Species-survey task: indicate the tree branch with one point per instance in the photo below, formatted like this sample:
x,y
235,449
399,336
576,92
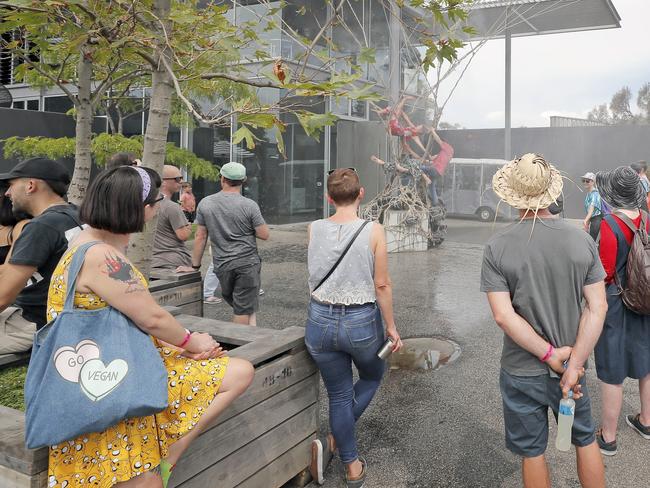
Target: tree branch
x,y
109,83
47,75
224,76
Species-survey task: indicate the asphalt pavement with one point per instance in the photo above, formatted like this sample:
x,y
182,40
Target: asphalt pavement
x,y
440,428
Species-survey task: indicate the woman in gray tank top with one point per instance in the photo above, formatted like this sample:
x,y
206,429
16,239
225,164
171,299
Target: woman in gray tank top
x,y
347,313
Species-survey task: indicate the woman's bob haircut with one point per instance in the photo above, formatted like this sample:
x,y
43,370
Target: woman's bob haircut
x,y
114,203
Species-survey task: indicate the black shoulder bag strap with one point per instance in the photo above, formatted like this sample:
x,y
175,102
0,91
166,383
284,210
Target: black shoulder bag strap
x,y
345,251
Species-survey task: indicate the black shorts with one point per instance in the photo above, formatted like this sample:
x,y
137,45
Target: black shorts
x,y
240,288
526,400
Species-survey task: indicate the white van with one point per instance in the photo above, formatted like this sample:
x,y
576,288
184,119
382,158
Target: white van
x,y
466,189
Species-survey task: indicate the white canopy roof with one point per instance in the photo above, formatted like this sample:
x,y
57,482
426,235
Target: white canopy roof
x,y
535,17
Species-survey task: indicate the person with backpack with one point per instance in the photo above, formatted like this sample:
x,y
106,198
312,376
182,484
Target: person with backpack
x,y
623,350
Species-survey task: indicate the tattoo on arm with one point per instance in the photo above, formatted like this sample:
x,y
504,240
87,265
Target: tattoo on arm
x,y
119,269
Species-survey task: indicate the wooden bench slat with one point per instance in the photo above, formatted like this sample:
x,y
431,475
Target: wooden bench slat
x,y
156,275
270,379
227,332
282,469
219,442
259,351
237,467
13,453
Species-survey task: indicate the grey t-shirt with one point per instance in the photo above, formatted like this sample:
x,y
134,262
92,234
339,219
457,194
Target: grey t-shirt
x,y
168,250
545,276
231,220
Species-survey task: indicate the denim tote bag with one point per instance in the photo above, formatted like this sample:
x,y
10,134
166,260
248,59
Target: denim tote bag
x,y
89,370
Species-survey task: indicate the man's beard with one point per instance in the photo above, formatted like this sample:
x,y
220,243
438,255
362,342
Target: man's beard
x,y
20,214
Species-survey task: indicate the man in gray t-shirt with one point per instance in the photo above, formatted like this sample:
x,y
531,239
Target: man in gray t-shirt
x,y
536,274
233,223
173,229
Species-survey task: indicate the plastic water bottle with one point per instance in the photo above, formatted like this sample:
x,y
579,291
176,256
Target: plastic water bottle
x,y
565,416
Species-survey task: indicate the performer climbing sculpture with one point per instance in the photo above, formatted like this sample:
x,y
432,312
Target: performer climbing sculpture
x,y
411,178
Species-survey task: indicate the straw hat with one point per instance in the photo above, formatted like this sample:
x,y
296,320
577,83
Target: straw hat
x,y
529,182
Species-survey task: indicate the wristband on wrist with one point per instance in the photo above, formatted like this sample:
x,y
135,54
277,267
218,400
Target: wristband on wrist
x,y
196,267
188,334
548,354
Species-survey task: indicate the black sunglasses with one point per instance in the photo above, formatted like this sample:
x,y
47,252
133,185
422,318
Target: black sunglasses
x,y
178,179
335,169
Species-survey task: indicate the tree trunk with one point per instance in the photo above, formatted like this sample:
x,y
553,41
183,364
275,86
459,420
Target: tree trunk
x,y
109,117
155,137
84,121
120,122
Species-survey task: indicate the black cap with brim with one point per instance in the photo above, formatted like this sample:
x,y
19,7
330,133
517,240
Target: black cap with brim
x,y
39,168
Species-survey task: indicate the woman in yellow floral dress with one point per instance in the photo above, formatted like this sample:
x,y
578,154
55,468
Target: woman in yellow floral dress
x,y
138,452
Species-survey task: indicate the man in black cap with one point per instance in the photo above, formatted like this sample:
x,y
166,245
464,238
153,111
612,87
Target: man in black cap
x,y
38,187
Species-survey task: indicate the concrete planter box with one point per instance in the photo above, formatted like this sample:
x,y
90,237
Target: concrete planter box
x,y
261,441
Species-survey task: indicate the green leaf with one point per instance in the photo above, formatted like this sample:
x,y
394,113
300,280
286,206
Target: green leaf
x,y
364,93
367,55
314,123
244,133
280,141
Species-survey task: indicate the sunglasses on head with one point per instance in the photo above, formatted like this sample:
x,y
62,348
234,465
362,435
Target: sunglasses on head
x,y
335,169
177,179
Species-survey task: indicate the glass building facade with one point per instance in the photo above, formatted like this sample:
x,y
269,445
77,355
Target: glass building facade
x,y
291,187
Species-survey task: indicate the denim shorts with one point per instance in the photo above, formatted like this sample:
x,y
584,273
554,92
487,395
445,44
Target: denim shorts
x,y
526,400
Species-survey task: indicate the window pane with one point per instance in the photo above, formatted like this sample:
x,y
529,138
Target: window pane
x,y
468,176
32,105
57,104
358,108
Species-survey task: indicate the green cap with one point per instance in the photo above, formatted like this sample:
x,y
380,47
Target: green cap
x,y
234,171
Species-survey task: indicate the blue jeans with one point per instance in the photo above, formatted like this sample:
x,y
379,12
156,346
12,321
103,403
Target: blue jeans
x,y
336,336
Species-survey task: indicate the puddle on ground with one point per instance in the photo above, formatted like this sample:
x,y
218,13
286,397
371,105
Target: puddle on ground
x,y
424,353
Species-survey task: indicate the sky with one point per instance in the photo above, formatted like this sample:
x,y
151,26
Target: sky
x,y
559,74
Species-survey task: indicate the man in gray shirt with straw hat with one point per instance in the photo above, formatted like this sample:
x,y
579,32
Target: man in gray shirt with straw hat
x,y
536,274
233,223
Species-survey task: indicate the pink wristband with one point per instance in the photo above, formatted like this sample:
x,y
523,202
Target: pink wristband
x,y
548,354
188,334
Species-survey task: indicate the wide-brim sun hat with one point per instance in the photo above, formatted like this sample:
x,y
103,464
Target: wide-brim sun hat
x,y
528,183
621,188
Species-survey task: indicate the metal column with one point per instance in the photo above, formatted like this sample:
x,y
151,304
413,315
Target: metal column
x,y
508,94
395,71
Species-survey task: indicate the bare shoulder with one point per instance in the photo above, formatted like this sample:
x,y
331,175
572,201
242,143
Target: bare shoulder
x,y
108,259
115,266
19,227
377,230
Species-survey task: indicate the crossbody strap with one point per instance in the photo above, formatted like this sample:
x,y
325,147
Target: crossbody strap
x,y
345,251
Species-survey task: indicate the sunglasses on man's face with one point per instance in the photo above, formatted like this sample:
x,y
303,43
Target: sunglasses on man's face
x,y
586,181
335,169
178,179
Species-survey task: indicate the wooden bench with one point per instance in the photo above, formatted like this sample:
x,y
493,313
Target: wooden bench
x,y
7,360
261,441
182,290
